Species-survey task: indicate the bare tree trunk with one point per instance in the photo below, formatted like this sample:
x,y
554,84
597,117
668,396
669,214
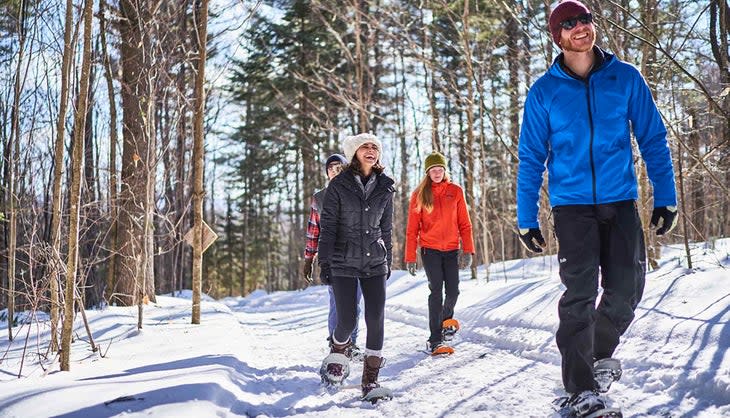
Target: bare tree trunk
x,y
649,16
112,196
75,196
89,229
683,210
134,276
430,83
199,158
230,278
404,196
469,107
12,155
181,219
361,66
55,236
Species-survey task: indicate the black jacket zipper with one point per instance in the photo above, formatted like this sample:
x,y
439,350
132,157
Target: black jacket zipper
x,y
590,147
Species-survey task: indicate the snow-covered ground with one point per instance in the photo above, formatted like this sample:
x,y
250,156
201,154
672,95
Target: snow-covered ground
x,y
260,355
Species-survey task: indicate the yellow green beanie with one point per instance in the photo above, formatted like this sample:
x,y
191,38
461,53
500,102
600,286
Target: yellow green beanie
x,y
435,159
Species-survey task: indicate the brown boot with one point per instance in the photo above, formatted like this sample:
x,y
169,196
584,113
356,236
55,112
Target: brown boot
x,y
370,369
345,348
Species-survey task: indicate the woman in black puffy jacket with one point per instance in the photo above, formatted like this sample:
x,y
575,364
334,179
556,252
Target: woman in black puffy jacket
x,y
355,245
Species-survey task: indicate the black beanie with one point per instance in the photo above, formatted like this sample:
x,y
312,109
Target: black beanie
x,y
334,158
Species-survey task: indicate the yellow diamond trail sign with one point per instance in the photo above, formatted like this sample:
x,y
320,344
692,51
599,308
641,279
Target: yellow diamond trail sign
x,y
209,236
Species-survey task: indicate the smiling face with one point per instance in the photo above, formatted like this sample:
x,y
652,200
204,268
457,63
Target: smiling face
x,y
333,169
368,154
436,173
581,38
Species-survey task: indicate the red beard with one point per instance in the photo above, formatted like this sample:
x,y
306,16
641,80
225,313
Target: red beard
x,y
580,45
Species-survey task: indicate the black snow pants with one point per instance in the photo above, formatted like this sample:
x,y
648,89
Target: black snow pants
x,y
346,301
442,270
592,237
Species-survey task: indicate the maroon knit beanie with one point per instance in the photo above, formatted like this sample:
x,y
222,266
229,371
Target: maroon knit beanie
x,y
564,10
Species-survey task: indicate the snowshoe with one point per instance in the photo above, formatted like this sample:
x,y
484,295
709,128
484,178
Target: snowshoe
x,y
336,366
605,372
586,404
449,328
335,369
439,348
377,394
356,353
371,390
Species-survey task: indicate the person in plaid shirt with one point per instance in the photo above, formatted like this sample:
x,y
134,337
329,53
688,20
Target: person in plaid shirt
x,y
333,166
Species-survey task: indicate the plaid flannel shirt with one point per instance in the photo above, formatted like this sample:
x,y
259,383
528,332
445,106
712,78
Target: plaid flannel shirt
x,y
310,249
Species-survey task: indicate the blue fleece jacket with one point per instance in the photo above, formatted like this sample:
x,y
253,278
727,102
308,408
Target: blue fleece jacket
x,y
581,129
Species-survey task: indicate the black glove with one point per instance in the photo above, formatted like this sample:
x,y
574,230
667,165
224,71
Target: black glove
x,y
668,215
411,268
325,274
388,277
532,239
307,270
465,261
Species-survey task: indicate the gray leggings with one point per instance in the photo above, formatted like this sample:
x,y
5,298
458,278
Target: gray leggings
x,y
373,292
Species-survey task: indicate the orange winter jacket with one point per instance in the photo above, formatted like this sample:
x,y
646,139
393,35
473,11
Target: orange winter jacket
x,y
443,226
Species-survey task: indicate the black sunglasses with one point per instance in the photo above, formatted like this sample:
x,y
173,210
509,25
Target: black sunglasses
x,y
569,24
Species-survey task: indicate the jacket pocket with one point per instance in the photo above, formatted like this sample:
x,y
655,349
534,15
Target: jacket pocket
x,y
382,252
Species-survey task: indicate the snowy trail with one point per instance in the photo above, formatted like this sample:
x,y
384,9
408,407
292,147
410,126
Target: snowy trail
x,y
506,362
259,356
495,365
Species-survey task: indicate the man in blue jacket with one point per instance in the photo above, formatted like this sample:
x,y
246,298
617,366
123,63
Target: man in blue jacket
x,y
577,121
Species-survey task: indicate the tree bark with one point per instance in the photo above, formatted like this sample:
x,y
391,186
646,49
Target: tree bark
x,y
75,195
134,277
469,108
114,140
199,158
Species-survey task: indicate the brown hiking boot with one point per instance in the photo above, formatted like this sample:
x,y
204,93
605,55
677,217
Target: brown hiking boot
x,y
370,369
345,348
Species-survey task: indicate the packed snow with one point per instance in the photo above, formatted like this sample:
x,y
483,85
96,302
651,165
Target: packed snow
x,y
259,356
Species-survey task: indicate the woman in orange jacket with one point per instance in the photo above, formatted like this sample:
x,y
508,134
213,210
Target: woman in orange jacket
x,y
437,220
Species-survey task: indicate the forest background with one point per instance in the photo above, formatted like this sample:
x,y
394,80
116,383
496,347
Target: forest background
x,y
117,127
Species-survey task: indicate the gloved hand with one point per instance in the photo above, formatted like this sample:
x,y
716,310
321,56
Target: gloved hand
x,y
532,239
411,268
465,261
388,276
307,270
668,215
325,274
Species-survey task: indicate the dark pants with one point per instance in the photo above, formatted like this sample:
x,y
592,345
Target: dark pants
x,y
442,269
373,293
592,237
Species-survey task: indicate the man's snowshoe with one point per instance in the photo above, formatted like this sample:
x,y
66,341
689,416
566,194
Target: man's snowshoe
x,y
371,389
336,366
586,404
440,348
449,328
605,372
